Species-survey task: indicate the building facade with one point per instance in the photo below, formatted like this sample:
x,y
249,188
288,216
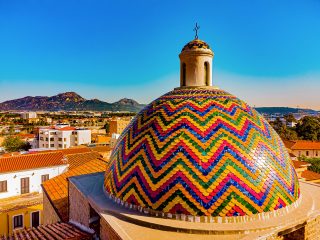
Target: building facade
x,y
21,197
63,137
304,148
118,125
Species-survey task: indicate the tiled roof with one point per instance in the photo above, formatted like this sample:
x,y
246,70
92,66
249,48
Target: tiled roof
x,y
101,149
55,231
302,145
30,161
56,188
26,135
299,164
310,175
21,201
67,129
288,143
78,159
73,150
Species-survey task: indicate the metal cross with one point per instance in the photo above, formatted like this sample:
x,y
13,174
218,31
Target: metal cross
x,y
196,30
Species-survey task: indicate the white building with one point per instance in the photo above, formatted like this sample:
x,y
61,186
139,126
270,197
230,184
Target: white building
x,y
28,115
62,136
24,173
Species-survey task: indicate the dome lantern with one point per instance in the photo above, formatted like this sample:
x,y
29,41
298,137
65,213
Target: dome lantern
x,y
196,64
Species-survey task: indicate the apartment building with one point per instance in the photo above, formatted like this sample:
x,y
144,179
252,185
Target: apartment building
x,y
62,136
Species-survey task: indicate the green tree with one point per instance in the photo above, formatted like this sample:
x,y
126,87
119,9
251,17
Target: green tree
x,y
289,118
14,143
278,126
308,128
107,127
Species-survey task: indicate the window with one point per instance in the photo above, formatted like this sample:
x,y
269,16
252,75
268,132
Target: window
x,y
3,186
44,178
316,153
206,74
35,219
307,153
64,139
51,139
47,139
25,185
60,139
18,221
184,69
52,145
60,145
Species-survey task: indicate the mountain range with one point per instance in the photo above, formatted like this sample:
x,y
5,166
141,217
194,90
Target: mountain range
x,y
69,101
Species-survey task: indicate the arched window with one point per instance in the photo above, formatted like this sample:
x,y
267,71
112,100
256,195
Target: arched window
x,y
206,73
184,70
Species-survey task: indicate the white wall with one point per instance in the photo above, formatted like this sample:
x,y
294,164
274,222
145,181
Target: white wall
x,y
69,138
14,184
84,137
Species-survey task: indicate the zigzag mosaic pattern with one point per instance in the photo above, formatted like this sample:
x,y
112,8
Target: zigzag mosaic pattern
x,y
201,152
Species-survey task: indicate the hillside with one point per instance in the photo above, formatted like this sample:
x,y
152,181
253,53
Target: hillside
x,y
69,101
284,110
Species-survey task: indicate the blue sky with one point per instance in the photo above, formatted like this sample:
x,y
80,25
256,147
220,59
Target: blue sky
x,y
267,52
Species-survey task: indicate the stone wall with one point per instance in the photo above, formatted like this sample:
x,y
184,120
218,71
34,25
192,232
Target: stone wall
x,y
49,215
106,231
79,208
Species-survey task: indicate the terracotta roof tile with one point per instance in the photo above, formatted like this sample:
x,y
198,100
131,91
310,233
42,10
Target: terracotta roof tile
x,y
30,161
299,164
303,145
73,150
288,143
310,175
101,149
75,160
52,231
67,129
56,188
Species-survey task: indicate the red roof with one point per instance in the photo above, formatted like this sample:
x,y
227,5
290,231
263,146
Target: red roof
x,y
67,129
299,164
310,175
30,161
67,151
302,145
26,135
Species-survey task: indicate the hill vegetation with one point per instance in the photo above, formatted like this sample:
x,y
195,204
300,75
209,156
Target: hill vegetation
x,y
69,101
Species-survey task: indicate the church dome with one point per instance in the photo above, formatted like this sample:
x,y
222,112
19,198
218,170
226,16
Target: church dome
x,y
200,151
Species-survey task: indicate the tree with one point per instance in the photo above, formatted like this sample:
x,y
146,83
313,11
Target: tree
x,y
284,131
14,143
278,126
289,118
107,127
308,128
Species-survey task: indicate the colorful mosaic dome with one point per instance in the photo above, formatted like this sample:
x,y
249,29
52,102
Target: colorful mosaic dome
x,y
196,44
201,152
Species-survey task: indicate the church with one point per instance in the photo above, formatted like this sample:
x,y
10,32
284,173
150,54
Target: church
x,y
196,163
